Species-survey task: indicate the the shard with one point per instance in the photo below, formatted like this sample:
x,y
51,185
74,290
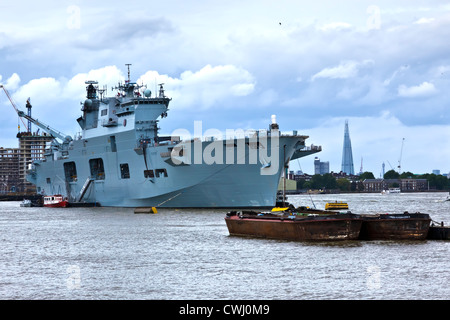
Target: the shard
x,y
347,156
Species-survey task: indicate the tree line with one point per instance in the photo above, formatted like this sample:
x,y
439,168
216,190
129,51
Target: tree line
x,y
328,181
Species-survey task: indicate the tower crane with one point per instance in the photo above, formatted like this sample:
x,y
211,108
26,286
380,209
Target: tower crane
x,y
400,158
390,165
12,102
54,133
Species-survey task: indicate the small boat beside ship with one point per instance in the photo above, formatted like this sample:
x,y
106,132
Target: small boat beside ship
x,y
296,227
56,201
26,203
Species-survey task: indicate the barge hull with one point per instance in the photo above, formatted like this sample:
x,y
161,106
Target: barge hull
x,y
305,229
395,227
438,233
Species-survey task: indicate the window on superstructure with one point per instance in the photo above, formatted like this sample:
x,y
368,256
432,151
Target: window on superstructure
x,y
70,171
112,140
104,112
124,171
161,173
97,169
149,174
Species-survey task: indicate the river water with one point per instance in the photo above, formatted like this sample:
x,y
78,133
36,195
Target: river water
x,y
112,253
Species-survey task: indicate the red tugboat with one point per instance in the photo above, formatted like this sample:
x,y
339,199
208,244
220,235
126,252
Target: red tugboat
x,y
55,201
296,227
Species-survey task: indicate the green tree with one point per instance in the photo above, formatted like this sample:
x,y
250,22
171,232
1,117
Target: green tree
x,y
326,181
391,174
436,181
407,175
301,184
366,175
307,185
343,184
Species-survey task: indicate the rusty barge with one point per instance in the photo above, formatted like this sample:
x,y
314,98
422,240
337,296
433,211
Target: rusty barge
x,y
438,232
306,224
287,226
406,226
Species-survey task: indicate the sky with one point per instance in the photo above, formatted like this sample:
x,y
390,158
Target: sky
x,y
382,65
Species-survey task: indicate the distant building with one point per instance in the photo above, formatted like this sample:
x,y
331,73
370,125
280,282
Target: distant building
x,y
14,162
9,170
374,185
343,175
436,172
321,167
347,155
413,185
405,185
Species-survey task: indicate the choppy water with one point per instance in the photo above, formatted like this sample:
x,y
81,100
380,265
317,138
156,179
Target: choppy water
x,y
112,253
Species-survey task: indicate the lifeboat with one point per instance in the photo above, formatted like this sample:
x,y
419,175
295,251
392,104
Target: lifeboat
x,y
336,206
55,201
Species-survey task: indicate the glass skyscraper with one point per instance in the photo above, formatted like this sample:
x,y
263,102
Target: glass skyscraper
x,y
347,156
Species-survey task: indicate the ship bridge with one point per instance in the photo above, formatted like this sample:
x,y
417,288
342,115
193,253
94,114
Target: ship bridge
x,y
132,104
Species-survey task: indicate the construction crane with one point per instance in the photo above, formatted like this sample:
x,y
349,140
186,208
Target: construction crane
x,y
54,133
361,169
390,165
400,158
12,103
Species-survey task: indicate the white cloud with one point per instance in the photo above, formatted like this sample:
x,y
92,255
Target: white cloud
x,y
204,88
395,74
108,76
345,70
13,82
424,20
336,26
42,91
242,89
424,89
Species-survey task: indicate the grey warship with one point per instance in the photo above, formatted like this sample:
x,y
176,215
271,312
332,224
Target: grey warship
x,y
121,160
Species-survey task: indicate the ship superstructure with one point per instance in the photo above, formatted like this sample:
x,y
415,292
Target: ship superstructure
x,y
121,160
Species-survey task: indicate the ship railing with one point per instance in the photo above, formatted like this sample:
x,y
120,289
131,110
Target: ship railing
x,y
312,148
247,134
237,134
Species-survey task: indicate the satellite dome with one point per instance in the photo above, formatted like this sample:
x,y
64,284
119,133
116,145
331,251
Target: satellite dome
x,y
147,93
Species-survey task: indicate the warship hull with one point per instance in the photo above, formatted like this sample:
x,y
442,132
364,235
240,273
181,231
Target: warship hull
x,y
122,176
120,159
